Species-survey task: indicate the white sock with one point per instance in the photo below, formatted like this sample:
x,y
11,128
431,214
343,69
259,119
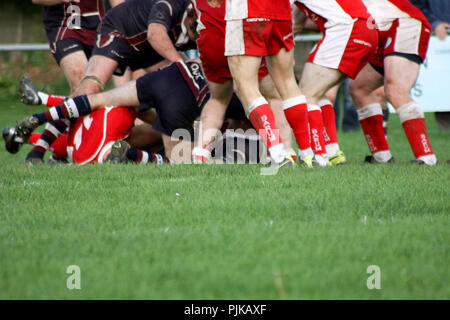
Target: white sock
x,y
382,156
322,160
306,152
428,159
44,97
277,153
332,149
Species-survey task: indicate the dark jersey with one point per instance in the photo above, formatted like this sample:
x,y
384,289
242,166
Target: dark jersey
x,y
73,20
130,20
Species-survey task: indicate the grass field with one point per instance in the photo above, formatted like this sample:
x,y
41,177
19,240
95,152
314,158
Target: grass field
x,y
223,231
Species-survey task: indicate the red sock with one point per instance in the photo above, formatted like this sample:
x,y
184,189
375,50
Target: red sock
x,y
34,137
296,112
329,122
59,147
371,120
53,101
262,118
413,122
316,129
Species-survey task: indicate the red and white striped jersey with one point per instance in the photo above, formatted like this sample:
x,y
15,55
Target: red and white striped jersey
x,y
269,9
386,11
327,13
208,15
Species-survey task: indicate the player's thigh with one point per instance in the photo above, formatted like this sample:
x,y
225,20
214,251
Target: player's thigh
x,y
400,75
317,80
363,86
74,65
245,74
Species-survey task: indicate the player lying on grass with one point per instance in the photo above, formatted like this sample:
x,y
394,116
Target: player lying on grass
x,y
404,33
178,92
346,45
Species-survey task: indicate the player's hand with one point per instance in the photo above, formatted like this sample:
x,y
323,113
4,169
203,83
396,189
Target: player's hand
x,y
215,3
69,1
441,31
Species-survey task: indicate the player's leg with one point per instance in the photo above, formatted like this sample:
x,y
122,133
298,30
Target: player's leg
x,y
370,114
99,70
335,155
397,89
294,102
74,65
269,91
245,74
124,152
212,118
125,95
79,106
30,95
316,81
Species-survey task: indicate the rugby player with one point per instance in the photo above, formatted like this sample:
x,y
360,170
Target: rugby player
x,y
70,27
137,34
404,33
244,65
348,42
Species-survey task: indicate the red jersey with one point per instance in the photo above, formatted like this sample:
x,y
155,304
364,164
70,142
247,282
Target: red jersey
x,y
208,15
386,11
327,13
269,9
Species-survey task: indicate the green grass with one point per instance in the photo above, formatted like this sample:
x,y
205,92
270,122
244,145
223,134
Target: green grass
x,y
226,232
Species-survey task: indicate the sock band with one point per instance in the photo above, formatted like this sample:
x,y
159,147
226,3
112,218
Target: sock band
x,y
410,111
255,104
369,111
292,102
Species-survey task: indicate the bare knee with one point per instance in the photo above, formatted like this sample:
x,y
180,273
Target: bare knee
x,y
397,94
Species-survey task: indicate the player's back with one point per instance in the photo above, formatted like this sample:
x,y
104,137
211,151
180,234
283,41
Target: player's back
x,y
386,11
208,15
269,9
64,14
132,17
327,13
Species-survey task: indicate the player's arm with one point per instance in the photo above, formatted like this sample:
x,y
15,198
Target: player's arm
x,y
52,2
159,39
162,18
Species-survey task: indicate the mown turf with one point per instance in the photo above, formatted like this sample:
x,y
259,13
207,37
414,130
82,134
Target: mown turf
x,y
225,231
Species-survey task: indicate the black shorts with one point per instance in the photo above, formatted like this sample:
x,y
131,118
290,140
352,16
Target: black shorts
x,y
411,57
64,47
175,104
125,55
